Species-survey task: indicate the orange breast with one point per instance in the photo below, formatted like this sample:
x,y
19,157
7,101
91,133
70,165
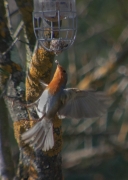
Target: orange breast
x,y
57,81
55,86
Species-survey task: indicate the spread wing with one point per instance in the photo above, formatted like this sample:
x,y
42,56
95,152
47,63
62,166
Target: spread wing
x,y
42,103
79,104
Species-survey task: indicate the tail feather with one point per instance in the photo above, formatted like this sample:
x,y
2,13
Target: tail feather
x,y
49,142
30,133
41,144
31,138
40,136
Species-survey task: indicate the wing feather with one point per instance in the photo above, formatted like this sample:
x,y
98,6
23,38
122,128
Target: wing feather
x,y
42,102
83,104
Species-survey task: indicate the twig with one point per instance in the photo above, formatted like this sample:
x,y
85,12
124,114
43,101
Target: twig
x,y
18,30
11,46
103,71
8,17
93,133
73,158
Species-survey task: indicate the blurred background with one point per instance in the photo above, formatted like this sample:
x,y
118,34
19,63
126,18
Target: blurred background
x,y
97,149
94,149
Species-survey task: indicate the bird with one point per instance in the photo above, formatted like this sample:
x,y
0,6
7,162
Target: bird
x,y
66,103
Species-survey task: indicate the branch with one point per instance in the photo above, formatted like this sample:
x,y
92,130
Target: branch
x,y
6,161
103,71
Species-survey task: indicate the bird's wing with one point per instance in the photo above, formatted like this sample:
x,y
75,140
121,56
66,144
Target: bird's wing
x,y
79,104
42,103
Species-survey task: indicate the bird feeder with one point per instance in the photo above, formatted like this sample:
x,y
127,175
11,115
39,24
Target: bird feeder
x,y
55,24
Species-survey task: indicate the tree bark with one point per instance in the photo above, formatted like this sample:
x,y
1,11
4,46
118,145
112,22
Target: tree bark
x,y
32,164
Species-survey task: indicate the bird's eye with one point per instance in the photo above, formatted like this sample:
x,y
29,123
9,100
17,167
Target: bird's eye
x,y
64,71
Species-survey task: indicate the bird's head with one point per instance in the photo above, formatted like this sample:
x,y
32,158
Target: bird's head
x,y
60,73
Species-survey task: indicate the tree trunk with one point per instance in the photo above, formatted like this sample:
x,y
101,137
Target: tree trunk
x,y
32,164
